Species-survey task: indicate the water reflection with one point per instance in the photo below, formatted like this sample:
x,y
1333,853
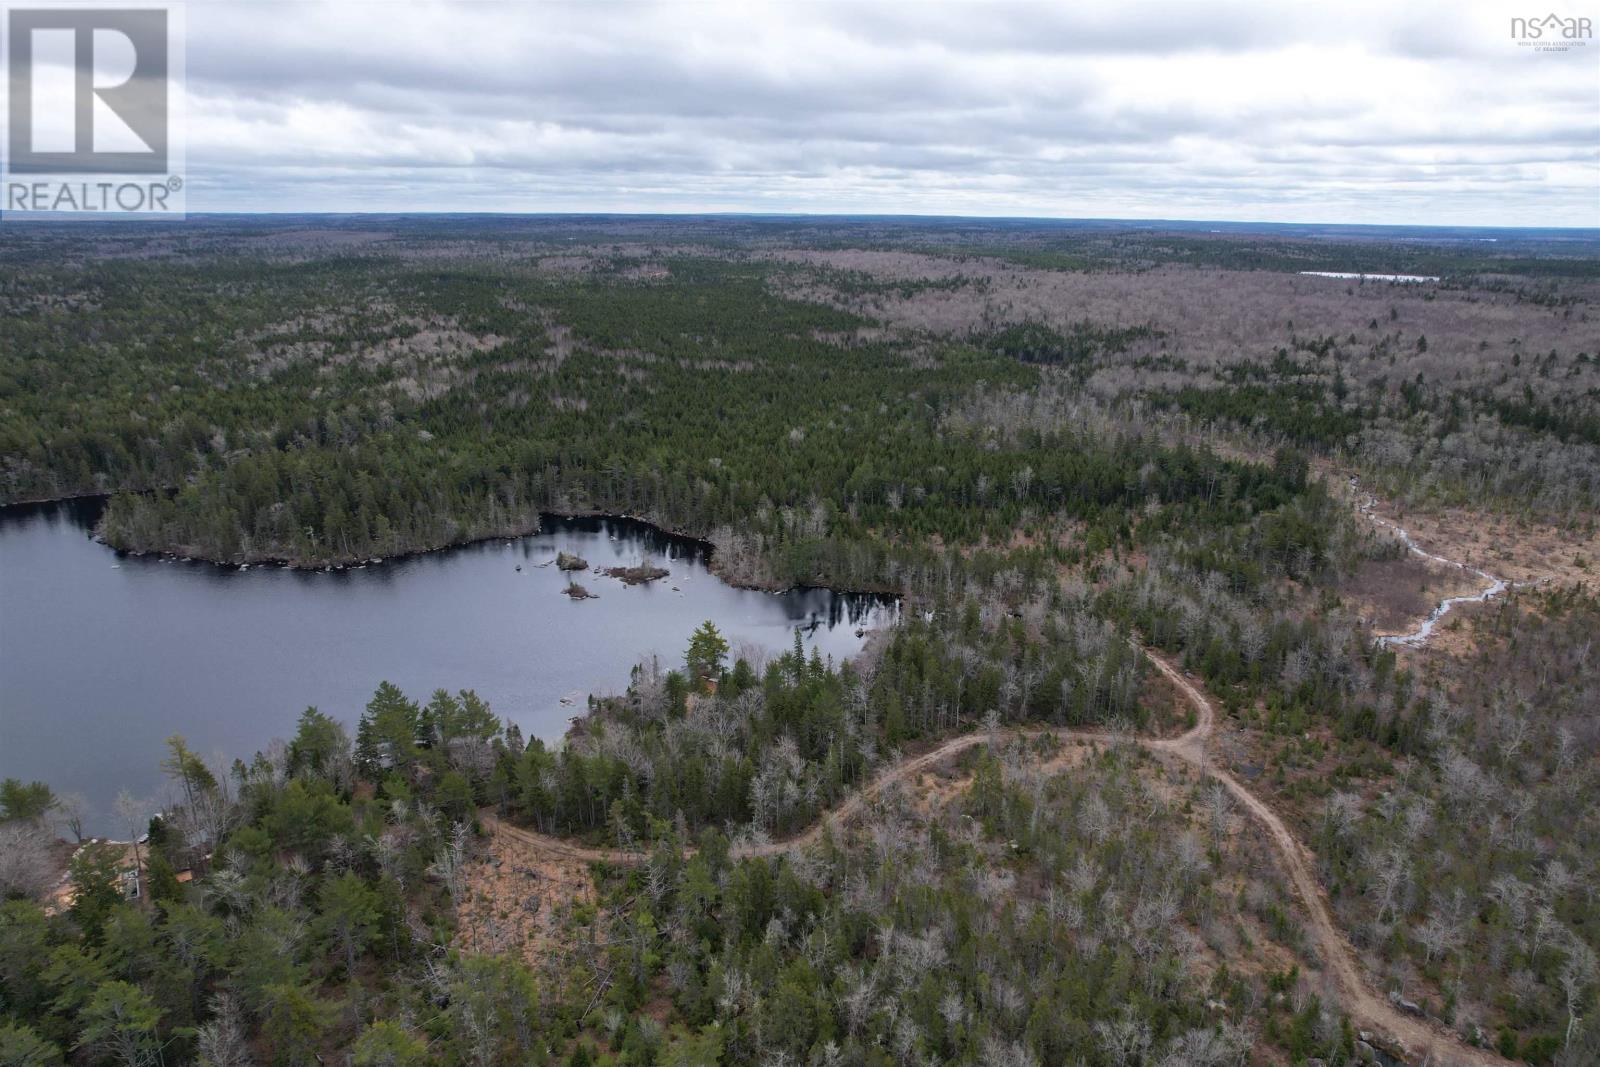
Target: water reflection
x,y
102,656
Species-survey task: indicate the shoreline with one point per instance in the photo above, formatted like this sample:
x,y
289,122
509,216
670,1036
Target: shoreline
x,y
508,533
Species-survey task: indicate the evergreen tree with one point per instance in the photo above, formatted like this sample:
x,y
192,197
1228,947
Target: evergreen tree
x,y
120,1022
386,735
707,652
24,800
387,1044
319,741
21,1046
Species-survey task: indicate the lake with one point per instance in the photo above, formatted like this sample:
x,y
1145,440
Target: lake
x,y
103,656
1410,278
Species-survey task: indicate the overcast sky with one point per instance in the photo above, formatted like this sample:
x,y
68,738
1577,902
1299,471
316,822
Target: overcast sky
x,y
1399,112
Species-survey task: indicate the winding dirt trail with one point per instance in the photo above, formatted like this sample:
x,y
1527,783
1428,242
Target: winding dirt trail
x,y
1420,1042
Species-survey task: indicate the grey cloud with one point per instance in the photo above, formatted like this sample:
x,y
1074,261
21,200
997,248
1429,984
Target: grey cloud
x,y
1160,109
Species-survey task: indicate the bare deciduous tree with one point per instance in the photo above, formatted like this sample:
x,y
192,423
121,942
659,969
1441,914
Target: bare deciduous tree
x,y
26,867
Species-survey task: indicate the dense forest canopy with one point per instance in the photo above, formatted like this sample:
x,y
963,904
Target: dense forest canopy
x,y
283,396
1119,476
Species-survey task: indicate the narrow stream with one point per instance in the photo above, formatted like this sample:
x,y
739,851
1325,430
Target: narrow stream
x,y
1421,634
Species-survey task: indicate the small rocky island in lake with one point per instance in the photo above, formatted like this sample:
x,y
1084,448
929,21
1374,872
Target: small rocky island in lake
x,y
578,592
638,575
568,562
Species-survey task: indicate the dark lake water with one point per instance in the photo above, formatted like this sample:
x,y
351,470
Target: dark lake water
x,y
103,656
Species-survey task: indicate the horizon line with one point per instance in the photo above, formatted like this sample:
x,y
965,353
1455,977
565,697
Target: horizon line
x,y
16,216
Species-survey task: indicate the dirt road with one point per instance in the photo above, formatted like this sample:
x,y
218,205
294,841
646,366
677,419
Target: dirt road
x,y
1422,1042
